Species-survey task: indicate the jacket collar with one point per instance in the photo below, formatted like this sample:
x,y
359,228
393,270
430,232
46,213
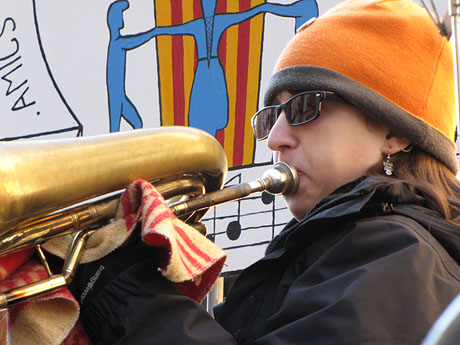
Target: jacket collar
x,y
376,196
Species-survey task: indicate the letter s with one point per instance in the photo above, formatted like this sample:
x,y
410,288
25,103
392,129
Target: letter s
x,y
4,25
12,40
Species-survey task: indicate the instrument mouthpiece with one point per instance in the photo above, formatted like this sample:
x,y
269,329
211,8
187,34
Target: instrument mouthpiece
x,y
282,179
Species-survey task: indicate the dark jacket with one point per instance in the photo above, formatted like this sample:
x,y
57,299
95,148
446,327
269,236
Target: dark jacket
x,y
367,265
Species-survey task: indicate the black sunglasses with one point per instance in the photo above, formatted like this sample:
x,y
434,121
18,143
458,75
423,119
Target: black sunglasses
x,y
299,109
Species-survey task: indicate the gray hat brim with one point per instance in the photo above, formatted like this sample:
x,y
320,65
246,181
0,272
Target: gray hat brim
x,y
372,104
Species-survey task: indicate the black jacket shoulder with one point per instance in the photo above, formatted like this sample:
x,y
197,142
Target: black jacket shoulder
x,y
363,267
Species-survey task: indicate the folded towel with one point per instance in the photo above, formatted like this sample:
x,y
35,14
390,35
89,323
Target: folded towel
x,y
191,261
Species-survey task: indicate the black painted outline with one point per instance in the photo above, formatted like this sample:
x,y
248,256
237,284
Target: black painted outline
x,y
79,126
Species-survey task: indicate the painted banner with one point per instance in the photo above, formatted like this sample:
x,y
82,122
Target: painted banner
x,y
214,70
30,98
209,62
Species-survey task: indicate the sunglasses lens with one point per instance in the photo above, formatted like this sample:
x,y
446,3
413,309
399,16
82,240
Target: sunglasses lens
x,y
263,122
302,108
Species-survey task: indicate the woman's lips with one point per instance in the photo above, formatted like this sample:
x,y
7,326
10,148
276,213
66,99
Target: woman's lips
x,y
299,172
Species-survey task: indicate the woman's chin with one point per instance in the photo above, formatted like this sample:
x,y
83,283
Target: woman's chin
x,y
296,208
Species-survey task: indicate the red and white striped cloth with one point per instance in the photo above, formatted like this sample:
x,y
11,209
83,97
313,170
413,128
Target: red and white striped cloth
x,y
192,262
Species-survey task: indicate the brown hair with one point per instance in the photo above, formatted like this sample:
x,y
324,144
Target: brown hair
x,y
438,185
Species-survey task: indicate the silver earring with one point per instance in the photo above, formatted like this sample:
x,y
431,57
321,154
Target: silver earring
x,y
408,148
387,165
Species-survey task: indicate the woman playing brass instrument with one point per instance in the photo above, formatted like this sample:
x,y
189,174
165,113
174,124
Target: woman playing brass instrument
x,y
362,104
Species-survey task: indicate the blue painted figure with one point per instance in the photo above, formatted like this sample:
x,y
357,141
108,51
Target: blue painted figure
x,y
208,107
208,99
119,103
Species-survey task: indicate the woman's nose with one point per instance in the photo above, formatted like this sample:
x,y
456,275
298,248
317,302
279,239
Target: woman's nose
x,y
280,135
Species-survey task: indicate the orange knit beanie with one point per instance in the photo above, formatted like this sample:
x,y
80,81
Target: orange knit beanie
x,y
387,58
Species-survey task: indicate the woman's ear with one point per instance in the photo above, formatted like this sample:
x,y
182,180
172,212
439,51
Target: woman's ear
x,y
396,143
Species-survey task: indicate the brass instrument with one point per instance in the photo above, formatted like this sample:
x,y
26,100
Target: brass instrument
x,y
183,163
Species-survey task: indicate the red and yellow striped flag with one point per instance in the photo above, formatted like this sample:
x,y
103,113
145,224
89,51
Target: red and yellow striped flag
x,y
240,51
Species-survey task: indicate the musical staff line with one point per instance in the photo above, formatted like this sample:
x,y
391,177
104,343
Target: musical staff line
x,y
262,243
252,228
243,228
246,214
